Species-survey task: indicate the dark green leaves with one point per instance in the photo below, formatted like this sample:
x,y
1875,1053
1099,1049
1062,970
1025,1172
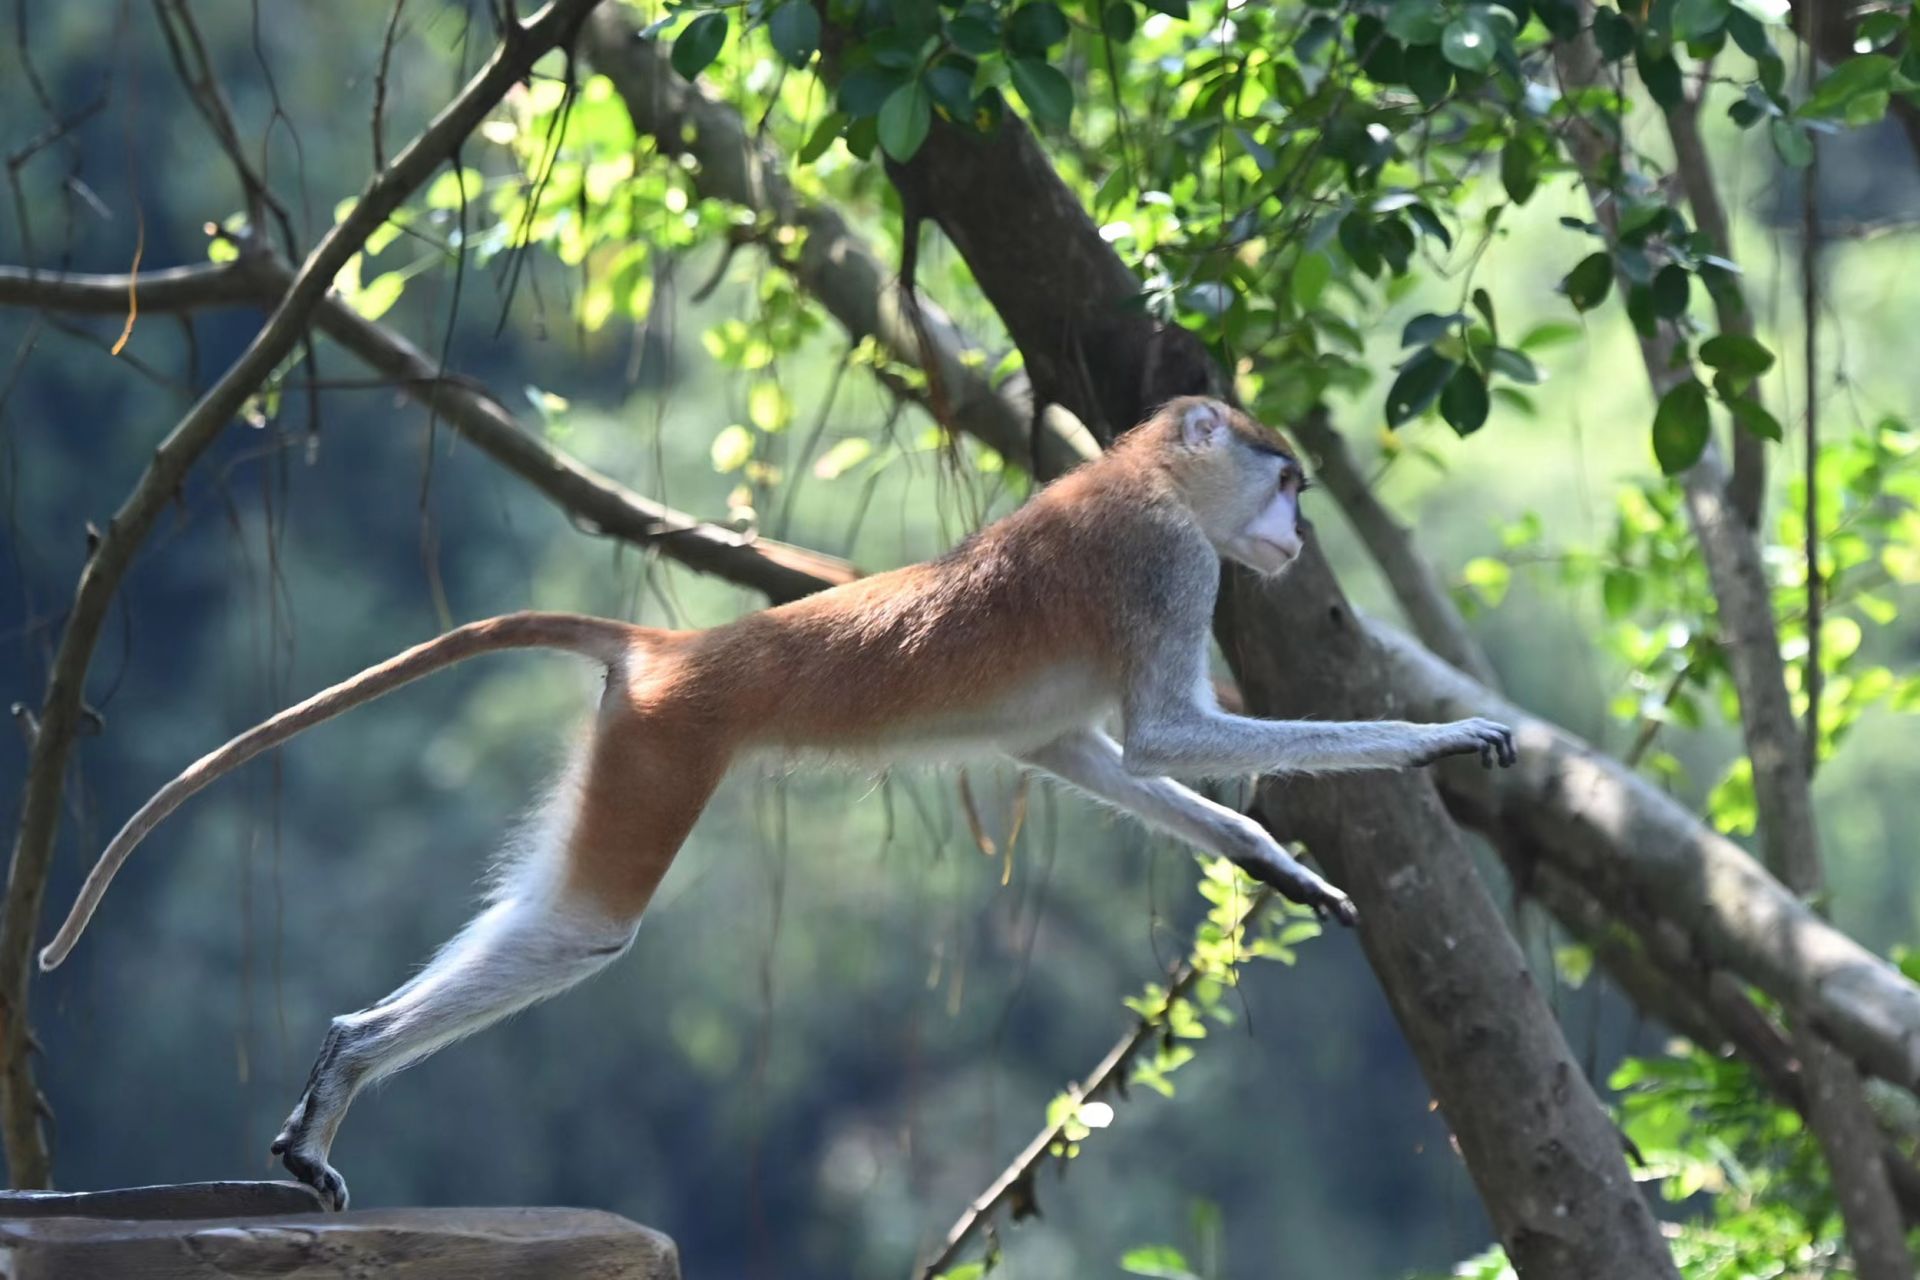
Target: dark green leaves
x,y
1792,142
794,28
1680,427
1172,8
1464,402
905,117
1736,354
1519,168
1420,383
1671,287
1613,34
1035,28
699,44
1587,284
1047,93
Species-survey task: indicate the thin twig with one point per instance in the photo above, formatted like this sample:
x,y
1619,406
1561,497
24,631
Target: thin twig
x,y
60,713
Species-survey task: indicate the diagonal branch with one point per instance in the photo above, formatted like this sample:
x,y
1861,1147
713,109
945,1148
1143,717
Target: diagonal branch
x,y
27,1158
1418,589
832,263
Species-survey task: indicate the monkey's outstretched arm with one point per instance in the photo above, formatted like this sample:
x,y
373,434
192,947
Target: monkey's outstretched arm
x,y
1092,761
602,639
1208,742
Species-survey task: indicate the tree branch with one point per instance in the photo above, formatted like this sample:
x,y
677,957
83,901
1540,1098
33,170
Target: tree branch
x,y
27,1158
1423,597
1015,1182
1837,1103
1484,1036
833,263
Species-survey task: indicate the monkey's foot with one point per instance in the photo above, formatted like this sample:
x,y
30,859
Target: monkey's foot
x,y
308,1165
1297,884
1488,739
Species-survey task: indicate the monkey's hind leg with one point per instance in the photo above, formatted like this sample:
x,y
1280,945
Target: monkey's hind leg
x,y
567,907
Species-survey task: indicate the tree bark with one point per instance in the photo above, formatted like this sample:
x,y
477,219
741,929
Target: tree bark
x,y
1546,1158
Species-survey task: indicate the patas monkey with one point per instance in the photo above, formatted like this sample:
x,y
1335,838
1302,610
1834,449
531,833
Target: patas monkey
x,y
1094,598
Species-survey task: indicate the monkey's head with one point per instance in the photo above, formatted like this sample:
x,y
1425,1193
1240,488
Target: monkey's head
x,y
1240,479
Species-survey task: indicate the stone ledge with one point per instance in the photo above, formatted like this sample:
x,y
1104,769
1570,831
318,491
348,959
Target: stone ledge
x,y
39,1242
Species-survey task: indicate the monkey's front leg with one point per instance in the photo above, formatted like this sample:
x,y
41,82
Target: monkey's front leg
x,y
1203,741
1092,761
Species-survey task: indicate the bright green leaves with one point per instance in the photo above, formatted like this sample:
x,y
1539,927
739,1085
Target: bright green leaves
x,y
699,43
905,117
1855,91
1681,427
794,28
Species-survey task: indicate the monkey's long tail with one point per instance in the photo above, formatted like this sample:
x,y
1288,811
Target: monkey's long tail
x,y
601,639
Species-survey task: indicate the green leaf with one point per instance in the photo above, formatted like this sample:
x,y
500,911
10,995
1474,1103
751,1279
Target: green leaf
x,y
1416,21
699,44
1172,8
1420,383
1035,28
1427,74
1157,1260
1865,73
1310,275
1753,417
1792,142
1661,74
1507,361
951,85
1671,288
1046,92
794,29
1587,284
975,33
1423,329
1680,427
1737,354
905,117
1519,169
1699,19
1464,403
1620,592
731,449
1483,303
1119,21
1489,578
822,136
1552,333
865,89
1469,42
1613,33
843,457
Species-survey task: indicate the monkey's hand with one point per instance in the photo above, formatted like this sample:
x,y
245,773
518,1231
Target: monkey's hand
x,y
1488,739
1296,883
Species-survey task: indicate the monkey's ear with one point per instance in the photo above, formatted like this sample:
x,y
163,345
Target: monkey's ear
x,y
1202,424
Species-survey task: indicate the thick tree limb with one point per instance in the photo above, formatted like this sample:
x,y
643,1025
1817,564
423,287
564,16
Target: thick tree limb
x,y
27,1159
779,570
1541,1149
832,262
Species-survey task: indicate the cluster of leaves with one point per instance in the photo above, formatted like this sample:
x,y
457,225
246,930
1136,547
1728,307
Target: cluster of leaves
x,y
1661,620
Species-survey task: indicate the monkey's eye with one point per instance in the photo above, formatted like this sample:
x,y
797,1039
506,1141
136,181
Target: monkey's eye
x,y
1303,485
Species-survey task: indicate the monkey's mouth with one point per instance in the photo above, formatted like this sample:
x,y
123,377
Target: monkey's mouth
x,y
1267,557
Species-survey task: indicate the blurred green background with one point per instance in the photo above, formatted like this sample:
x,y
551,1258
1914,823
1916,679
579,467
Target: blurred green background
x,y
838,1022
